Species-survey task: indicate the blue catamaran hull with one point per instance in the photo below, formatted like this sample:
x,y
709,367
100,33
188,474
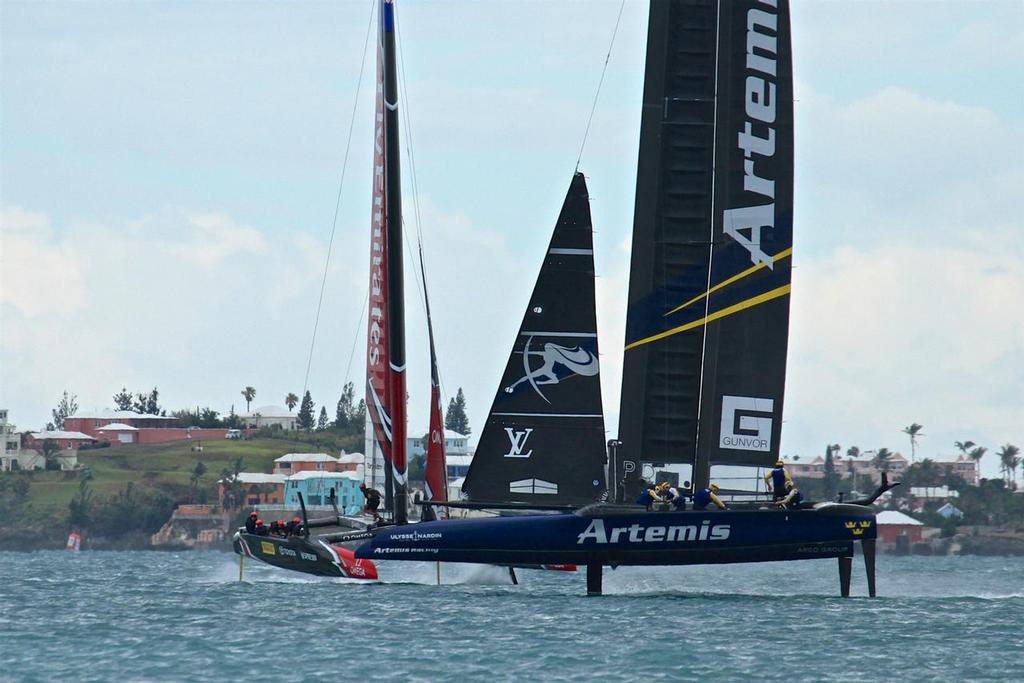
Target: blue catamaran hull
x,y
594,536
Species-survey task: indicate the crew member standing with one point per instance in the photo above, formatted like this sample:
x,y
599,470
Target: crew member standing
x,y
778,481
250,523
704,497
372,497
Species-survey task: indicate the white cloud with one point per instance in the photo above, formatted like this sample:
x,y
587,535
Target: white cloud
x,y
903,333
37,276
214,237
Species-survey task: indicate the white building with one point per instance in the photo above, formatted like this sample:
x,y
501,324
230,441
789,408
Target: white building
x,y
10,442
454,443
269,416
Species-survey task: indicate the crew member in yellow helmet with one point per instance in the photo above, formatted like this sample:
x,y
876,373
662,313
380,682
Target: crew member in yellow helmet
x,y
778,481
704,497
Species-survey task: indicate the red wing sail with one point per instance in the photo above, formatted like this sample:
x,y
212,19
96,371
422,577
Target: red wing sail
x,y
436,470
385,359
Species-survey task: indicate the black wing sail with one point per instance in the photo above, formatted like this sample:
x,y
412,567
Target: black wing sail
x,y
708,317
543,442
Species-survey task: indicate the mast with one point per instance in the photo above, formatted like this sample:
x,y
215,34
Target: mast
x,y
436,471
708,314
385,389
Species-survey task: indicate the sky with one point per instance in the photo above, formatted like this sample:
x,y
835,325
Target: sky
x,y
169,173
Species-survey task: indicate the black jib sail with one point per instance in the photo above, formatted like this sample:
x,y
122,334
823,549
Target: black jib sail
x,y
708,316
544,438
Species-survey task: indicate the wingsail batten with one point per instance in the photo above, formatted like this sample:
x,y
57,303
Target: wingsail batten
x,y
708,309
544,437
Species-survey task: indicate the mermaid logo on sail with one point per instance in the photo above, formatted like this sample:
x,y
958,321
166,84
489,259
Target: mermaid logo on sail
x,y
577,360
758,134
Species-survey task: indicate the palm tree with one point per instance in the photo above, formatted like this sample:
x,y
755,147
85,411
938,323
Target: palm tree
x,y
1008,463
852,452
291,400
881,459
913,431
976,455
963,447
929,472
248,394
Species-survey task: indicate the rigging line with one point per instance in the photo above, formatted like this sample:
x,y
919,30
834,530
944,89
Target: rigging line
x,y
604,70
355,338
711,255
412,163
414,182
337,201
408,132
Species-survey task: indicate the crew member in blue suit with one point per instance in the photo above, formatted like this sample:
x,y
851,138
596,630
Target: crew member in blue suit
x,y
792,499
676,498
778,481
704,497
648,497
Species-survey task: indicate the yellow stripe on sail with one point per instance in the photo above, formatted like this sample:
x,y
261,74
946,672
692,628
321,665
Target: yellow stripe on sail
x,y
735,308
749,271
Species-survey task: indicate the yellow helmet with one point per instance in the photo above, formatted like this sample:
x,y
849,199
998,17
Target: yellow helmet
x,y
714,487
780,463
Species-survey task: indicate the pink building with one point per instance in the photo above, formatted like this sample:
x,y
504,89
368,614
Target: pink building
x,y
127,427
302,462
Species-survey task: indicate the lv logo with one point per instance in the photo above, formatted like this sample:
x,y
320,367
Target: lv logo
x,y
517,442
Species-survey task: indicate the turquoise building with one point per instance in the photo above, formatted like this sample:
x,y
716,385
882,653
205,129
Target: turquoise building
x,y
316,485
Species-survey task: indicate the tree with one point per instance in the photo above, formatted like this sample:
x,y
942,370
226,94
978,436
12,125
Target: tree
x,y
81,506
913,431
123,399
360,414
344,414
234,491
321,422
152,404
976,454
928,471
1008,463
881,459
197,473
964,447
248,394
291,400
306,412
51,454
831,479
66,407
455,419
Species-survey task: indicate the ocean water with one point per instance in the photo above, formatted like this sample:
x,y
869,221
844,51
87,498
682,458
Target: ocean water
x,y
149,616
